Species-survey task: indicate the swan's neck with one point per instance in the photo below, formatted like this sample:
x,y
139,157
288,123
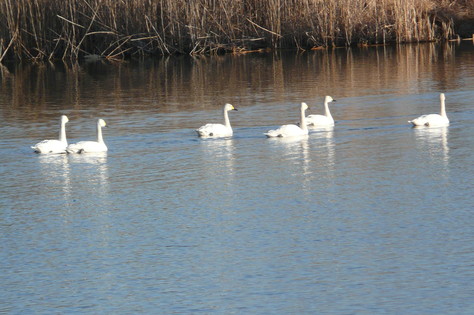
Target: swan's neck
x,y
303,120
226,119
62,132
443,109
327,113
99,134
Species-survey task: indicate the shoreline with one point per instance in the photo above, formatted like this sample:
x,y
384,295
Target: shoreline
x,y
7,64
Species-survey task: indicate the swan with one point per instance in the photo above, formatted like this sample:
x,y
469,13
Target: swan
x,y
218,130
433,120
54,146
90,146
322,120
291,130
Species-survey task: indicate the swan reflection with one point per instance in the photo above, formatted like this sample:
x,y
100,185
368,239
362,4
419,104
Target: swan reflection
x,y
434,141
326,148
54,168
295,147
91,169
47,160
55,172
294,152
98,158
218,153
292,148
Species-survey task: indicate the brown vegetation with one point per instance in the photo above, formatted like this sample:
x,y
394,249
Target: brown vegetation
x,y
71,29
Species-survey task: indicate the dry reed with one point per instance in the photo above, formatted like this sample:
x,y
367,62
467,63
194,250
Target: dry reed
x,y
71,29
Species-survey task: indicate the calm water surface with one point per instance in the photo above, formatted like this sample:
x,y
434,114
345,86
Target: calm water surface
x,y
371,217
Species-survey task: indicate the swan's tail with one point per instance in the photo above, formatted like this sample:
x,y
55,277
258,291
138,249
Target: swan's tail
x,y
36,149
203,133
72,148
272,134
416,122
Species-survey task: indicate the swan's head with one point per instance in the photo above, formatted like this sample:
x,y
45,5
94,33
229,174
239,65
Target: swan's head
x,y
228,107
64,119
442,97
304,106
329,99
101,123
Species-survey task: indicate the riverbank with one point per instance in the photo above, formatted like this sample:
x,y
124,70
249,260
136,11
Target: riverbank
x,y
70,29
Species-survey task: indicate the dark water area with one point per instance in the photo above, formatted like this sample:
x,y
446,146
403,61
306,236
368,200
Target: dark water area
x,y
369,217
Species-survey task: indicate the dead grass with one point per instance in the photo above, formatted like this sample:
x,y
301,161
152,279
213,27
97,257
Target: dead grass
x,y
71,29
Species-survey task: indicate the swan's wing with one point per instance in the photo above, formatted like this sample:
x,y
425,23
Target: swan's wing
x,y
436,120
286,131
75,147
430,120
292,130
86,146
319,120
419,121
272,133
214,130
50,146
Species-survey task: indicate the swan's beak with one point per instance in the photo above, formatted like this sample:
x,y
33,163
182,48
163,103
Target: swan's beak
x,y
235,109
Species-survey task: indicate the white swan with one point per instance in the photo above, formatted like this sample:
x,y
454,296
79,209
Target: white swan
x,y
218,130
291,130
54,146
90,146
322,120
433,120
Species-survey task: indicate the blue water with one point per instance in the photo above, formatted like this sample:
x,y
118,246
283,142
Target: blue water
x,y
371,217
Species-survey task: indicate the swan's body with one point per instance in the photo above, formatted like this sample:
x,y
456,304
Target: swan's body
x,y
322,120
218,130
291,130
90,146
433,120
54,146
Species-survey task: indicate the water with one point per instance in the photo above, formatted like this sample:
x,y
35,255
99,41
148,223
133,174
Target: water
x,y
370,217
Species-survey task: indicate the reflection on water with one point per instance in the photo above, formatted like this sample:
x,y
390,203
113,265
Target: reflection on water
x,y
434,141
220,148
55,169
218,156
168,221
91,196
325,137
178,84
92,170
293,154
291,149
96,158
78,176
216,166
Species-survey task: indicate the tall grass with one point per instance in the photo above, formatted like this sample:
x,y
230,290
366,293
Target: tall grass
x,y
70,29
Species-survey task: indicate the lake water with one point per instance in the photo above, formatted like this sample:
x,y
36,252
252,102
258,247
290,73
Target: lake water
x,y
370,217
